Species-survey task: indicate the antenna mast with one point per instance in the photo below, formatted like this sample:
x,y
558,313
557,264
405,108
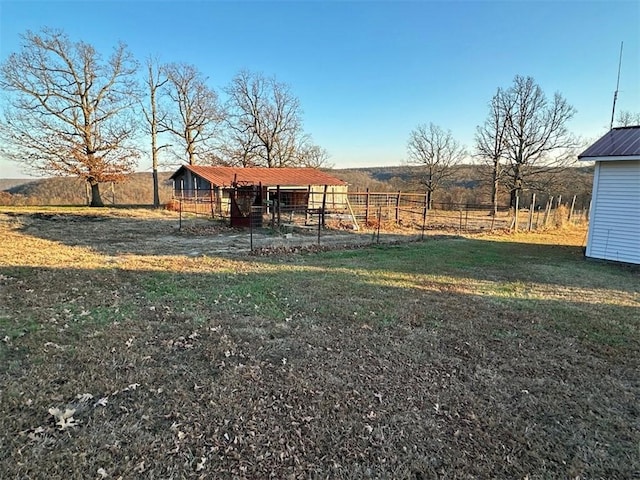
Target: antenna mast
x,y
615,94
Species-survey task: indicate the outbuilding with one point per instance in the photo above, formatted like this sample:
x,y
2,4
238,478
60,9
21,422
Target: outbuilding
x,y
614,219
232,191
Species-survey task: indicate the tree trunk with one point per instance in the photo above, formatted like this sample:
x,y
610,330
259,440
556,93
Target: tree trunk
x,y
96,200
156,193
517,186
494,188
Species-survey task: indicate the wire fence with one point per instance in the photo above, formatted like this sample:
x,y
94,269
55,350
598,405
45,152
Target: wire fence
x,y
368,217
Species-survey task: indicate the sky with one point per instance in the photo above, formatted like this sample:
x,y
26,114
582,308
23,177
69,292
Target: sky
x,y
368,72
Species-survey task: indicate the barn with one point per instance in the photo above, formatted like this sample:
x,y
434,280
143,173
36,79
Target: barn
x,y
236,189
614,220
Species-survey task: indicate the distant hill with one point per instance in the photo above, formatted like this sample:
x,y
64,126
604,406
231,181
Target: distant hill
x,y
469,185
7,183
136,190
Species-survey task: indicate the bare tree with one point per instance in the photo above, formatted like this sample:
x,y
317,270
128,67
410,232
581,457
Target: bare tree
x,y
195,112
154,119
490,142
314,156
437,152
265,125
627,119
68,111
537,140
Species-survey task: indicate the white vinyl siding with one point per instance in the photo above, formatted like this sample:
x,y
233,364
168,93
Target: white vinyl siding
x,y
614,228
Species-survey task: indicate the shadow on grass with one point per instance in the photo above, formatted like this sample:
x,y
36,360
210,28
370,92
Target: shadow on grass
x,y
328,375
477,258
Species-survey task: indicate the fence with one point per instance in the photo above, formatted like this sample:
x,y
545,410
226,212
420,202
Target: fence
x,y
389,211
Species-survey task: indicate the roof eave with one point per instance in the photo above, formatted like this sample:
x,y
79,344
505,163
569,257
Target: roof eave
x,y
610,158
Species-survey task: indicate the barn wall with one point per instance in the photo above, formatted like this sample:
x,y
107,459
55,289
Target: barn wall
x,y
188,185
614,224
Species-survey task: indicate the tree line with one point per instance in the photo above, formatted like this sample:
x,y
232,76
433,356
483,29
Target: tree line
x,y
71,112
524,144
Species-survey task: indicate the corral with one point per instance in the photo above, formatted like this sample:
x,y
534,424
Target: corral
x,y
129,350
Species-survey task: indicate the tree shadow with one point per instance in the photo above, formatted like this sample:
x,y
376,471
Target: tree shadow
x,y
481,259
354,369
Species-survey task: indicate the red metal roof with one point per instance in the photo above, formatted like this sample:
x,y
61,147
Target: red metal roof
x,y
618,142
225,176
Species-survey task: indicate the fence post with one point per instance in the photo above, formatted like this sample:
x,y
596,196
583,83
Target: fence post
x,y
532,206
319,224
366,208
273,212
398,208
278,199
424,218
515,219
547,211
379,221
310,200
573,204
324,204
180,217
251,227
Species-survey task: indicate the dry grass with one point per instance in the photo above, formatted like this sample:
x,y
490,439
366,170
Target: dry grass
x,y
481,357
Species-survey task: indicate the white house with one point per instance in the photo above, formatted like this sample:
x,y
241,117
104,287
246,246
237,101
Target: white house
x,y
614,220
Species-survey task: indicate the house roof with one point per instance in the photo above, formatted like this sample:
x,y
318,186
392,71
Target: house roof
x,y
622,143
225,176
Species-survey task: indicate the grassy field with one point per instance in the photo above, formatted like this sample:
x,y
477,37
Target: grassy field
x,y
458,357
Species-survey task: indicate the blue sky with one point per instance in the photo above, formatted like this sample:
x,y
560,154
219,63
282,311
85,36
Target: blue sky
x,y
367,73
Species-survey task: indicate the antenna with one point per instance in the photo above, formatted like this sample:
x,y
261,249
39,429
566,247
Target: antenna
x,y
615,94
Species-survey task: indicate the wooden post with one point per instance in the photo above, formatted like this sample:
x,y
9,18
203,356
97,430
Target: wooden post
x,y
424,217
547,211
559,201
366,208
515,219
379,221
309,205
251,228
573,204
398,208
324,204
278,199
532,206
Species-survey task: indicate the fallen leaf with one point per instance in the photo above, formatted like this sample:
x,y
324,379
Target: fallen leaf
x,y
201,463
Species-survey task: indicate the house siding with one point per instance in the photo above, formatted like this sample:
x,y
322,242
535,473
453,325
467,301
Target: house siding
x,y
614,230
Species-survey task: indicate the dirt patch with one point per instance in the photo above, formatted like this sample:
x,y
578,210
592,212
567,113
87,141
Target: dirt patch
x,y
116,235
